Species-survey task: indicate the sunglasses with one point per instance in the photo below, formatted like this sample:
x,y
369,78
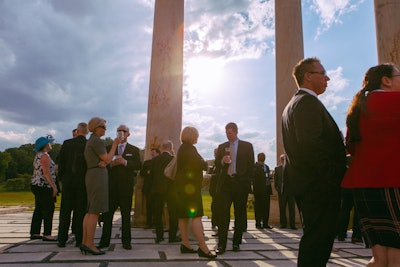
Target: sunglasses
x,y
102,126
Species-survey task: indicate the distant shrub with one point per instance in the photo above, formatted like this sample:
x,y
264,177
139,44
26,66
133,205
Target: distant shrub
x,y
21,183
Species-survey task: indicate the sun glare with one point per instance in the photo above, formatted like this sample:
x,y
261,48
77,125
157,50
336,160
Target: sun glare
x,y
204,74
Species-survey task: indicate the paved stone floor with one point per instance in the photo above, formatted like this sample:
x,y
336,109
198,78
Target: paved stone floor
x,y
276,247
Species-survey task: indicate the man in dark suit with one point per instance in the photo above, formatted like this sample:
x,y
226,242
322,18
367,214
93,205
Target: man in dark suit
x,y
262,191
284,199
315,162
72,170
122,172
162,192
147,183
235,160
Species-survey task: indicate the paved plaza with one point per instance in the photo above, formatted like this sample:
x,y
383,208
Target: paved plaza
x,y
276,247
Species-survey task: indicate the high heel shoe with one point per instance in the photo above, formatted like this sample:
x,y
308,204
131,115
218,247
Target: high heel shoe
x,y
185,249
85,250
82,248
208,255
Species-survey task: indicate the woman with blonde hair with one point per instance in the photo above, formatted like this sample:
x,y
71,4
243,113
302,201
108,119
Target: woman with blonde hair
x,y
96,181
188,180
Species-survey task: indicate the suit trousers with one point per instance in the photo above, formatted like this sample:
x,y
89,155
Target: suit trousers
x,y
44,210
286,201
261,208
73,199
319,211
236,192
124,202
158,208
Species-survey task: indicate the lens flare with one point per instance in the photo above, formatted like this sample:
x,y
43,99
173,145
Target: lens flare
x,y
192,212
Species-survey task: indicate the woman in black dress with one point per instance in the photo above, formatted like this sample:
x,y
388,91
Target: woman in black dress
x,y
188,180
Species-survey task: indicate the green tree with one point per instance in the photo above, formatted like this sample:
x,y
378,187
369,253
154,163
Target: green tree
x,y
5,159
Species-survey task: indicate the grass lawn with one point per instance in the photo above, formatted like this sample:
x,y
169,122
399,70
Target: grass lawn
x,y
26,199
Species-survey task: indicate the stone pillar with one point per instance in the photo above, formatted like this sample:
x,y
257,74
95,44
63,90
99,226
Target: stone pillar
x,y
387,21
289,50
164,115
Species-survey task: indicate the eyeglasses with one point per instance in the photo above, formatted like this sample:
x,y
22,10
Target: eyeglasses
x,y
102,126
323,73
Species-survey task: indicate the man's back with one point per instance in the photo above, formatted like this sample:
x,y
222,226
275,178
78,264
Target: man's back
x,y
72,163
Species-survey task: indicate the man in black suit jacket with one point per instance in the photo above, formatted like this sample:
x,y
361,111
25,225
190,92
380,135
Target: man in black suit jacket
x,y
233,185
122,172
284,199
162,192
315,162
72,170
147,182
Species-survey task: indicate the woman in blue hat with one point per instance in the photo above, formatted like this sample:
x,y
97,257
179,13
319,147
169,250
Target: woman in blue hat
x,y
43,186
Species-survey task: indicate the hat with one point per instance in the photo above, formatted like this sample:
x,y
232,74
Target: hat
x,y
41,142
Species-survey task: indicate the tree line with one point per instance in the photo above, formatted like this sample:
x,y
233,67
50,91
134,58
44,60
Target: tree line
x,y
17,162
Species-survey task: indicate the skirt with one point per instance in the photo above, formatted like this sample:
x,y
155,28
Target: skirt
x,y
379,211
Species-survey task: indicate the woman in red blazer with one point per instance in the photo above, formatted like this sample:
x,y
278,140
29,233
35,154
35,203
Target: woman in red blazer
x,y
373,139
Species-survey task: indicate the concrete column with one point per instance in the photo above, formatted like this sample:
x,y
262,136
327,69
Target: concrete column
x,y
289,50
387,21
164,115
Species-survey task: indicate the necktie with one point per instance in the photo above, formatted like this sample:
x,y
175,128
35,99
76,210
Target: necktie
x,y
232,166
120,149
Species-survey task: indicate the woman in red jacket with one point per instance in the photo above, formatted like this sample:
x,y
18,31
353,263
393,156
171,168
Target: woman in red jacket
x,y
373,139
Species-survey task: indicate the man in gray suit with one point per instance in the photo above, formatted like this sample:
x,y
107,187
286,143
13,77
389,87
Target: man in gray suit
x,y
315,162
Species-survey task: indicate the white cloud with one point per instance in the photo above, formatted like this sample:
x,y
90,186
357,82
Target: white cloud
x,y
332,97
331,12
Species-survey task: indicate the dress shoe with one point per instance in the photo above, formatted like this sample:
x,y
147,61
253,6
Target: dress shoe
x,y
186,250
356,240
258,226
208,255
158,240
127,246
175,240
33,237
293,227
220,250
101,245
268,227
61,244
49,238
236,248
216,234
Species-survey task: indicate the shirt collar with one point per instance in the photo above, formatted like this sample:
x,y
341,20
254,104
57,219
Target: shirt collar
x,y
311,92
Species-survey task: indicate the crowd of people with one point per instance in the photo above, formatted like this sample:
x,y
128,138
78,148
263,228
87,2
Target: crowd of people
x,y
323,173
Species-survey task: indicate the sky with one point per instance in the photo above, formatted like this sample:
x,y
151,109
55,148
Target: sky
x,y
63,62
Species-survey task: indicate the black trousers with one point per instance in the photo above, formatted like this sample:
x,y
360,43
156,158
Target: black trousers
x,y
286,201
73,199
149,210
236,192
124,202
319,211
44,210
261,208
159,200
158,208
347,203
